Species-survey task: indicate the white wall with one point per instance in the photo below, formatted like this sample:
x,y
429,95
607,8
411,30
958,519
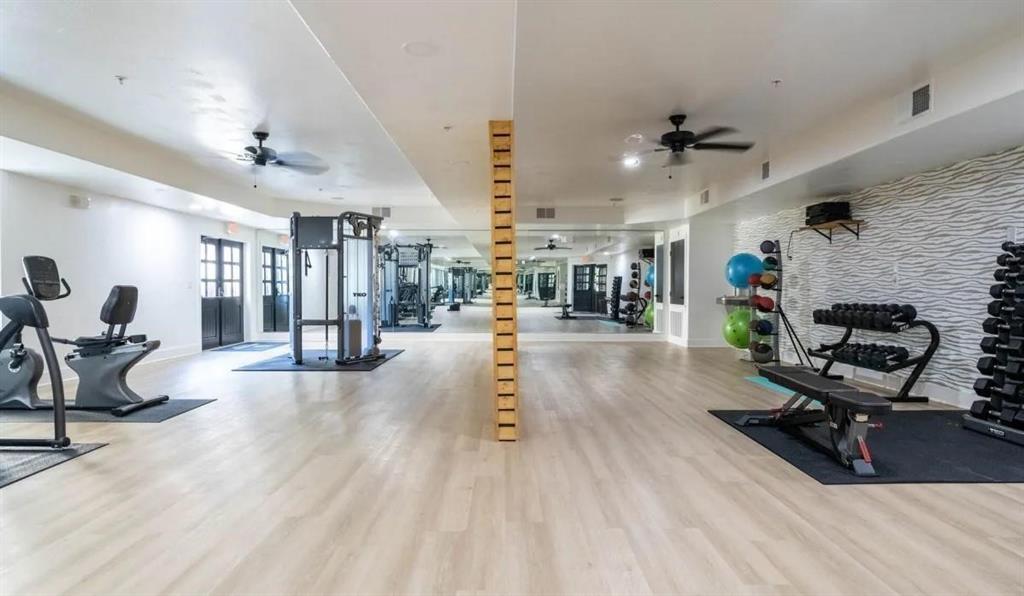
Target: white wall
x,y
117,241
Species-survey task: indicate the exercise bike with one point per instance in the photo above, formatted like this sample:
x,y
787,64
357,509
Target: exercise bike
x,y
25,311
102,361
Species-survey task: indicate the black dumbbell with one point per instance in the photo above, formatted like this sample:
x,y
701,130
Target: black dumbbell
x,y
989,388
1006,275
1011,415
981,409
987,365
994,325
1016,248
1008,260
998,308
1005,292
1012,348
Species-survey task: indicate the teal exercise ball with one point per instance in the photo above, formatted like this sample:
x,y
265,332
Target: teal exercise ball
x,y
736,328
740,267
649,280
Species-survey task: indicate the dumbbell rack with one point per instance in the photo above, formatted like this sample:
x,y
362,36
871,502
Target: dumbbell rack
x,y
919,363
991,416
613,304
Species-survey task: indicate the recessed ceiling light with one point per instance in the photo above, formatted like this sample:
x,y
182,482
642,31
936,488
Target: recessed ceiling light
x,y
606,253
635,138
631,161
393,233
420,49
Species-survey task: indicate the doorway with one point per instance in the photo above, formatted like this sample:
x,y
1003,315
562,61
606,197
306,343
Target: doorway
x,y
275,289
221,288
589,288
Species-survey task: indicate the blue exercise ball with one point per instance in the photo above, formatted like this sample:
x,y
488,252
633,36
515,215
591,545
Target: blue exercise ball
x,y
649,280
740,267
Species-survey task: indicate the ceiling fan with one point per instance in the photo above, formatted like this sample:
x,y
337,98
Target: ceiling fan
x,y
552,246
679,141
299,161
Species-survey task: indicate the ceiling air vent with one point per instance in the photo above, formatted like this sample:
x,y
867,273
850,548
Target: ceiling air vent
x,y
705,196
545,213
920,100
766,169
382,211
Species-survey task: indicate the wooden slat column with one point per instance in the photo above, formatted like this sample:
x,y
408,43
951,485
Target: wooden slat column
x,y
503,266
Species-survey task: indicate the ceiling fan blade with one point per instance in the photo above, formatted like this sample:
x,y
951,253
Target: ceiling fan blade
x,y
251,149
561,248
245,157
310,169
303,161
722,146
712,132
678,158
541,248
268,154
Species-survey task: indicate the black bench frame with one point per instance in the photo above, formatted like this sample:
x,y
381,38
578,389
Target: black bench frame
x,y
846,413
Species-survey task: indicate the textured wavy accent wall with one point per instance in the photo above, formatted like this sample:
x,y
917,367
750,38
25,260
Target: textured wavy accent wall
x,y
929,240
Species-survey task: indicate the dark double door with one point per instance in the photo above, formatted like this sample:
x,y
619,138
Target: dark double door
x,y
221,287
589,287
275,289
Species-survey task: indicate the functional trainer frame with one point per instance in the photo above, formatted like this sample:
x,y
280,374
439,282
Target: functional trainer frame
x,y
398,296
352,237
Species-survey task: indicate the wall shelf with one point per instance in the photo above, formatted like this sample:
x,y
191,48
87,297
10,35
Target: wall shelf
x,y
850,225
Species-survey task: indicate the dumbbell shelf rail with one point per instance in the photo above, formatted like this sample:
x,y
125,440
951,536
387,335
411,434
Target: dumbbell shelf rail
x,y
919,362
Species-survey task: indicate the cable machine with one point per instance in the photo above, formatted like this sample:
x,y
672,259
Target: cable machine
x,y
351,240
463,285
405,290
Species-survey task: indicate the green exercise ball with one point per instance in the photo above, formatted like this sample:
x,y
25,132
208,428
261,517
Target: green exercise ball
x,y
649,317
736,328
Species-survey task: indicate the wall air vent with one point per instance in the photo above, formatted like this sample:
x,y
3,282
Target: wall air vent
x,y
920,100
766,170
705,196
545,213
382,211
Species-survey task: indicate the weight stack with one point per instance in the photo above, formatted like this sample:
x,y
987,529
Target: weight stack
x,y
1001,388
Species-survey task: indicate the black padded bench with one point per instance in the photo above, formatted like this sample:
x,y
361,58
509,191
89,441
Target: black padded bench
x,y
846,413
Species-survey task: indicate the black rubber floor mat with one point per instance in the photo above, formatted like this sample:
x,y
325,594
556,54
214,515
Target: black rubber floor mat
x,y
152,414
926,446
312,362
20,463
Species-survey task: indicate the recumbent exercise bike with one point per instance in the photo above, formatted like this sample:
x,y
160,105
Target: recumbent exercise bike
x,y
102,362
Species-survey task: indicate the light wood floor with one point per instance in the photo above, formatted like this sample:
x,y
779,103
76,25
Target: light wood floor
x,y
388,482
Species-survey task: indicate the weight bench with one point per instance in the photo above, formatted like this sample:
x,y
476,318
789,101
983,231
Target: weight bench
x,y
846,412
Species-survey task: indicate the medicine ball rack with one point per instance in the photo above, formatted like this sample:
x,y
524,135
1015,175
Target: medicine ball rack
x,y
919,363
772,251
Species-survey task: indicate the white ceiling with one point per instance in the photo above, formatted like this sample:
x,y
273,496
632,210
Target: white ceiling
x,y
466,81
587,76
200,76
396,95
30,160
